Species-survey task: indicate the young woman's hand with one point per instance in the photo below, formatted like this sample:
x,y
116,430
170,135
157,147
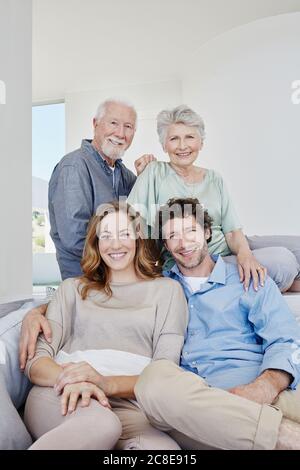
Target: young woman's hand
x,y
249,267
74,372
84,390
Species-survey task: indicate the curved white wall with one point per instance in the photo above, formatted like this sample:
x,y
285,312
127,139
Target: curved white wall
x,y
241,83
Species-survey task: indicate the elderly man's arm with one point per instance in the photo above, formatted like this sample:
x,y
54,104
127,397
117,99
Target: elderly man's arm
x,y
72,204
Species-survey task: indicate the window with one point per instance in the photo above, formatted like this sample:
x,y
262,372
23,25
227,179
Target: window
x,y
48,147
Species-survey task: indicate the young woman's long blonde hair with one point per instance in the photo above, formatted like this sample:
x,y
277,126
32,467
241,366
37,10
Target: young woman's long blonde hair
x,y
96,275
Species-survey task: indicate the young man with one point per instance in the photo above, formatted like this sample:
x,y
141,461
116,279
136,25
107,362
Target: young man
x,y
242,342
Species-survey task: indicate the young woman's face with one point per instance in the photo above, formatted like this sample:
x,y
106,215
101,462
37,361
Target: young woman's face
x,y
117,241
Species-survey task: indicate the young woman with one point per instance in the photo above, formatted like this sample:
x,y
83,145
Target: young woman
x,y
107,326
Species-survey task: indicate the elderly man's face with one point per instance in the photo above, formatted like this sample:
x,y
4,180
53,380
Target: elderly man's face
x,y
115,130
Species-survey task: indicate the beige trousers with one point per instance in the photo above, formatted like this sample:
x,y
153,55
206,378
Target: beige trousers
x,y
93,427
289,404
174,399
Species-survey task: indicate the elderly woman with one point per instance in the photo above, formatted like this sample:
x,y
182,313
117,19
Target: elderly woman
x,y
181,133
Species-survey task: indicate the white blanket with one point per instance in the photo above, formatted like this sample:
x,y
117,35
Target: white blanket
x,y
108,361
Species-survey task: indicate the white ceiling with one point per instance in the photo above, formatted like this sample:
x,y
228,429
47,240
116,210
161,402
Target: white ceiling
x,y
93,44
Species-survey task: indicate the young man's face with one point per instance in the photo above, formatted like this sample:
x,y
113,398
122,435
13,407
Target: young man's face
x,y
186,241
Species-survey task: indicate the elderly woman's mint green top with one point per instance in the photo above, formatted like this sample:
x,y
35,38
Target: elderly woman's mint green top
x,y
159,182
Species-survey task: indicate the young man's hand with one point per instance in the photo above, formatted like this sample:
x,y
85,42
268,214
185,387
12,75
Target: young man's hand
x,y
33,324
265,388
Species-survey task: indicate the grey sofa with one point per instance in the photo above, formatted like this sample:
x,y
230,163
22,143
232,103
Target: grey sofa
x,y
14,386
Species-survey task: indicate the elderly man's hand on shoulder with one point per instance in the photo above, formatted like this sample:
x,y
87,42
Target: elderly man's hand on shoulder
x,y
141,163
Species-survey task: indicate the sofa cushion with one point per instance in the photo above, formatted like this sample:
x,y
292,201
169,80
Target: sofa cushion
x,y
13,433
293,301
16,382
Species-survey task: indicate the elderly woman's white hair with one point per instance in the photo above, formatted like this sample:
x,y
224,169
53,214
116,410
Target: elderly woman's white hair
x,y
180,115
102,107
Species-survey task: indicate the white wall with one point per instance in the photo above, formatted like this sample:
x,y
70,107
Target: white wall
x,y
15,150
87,44
148,99
241,83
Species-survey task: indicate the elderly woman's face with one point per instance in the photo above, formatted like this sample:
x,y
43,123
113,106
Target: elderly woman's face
x,y
183,144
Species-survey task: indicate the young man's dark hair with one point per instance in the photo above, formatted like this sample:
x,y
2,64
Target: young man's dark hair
x,y
182,207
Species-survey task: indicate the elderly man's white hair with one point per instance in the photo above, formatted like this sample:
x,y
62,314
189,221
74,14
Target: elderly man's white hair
x,y
102,107
180,115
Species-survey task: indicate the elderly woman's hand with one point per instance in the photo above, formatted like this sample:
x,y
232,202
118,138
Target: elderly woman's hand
x,y
248,267
141,163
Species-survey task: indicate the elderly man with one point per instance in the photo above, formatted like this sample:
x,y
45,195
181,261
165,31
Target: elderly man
x,y
240,361
89,176
81,181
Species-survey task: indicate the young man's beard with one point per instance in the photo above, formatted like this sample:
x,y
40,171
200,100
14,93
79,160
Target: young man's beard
x,y
201,254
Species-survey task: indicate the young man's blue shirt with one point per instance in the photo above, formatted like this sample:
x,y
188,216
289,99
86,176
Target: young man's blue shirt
x,y
233,335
